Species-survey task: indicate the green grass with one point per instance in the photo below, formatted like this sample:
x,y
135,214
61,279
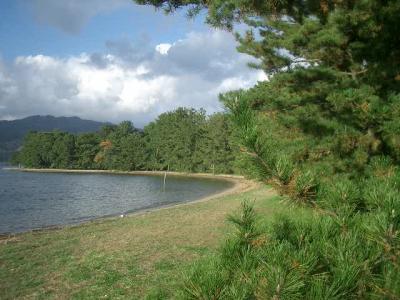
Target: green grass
x,y
134,257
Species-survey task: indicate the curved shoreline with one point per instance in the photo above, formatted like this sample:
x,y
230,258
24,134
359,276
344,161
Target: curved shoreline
x,y
239,185
119,172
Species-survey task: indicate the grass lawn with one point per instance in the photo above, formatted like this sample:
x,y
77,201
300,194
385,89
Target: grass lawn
x,y
133,257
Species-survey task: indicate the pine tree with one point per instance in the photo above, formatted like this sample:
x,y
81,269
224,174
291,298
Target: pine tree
x,y
325,130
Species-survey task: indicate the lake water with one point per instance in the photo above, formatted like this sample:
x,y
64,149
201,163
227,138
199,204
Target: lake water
x,y
35,200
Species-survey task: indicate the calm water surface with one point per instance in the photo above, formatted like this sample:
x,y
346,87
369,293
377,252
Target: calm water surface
x,y
36,200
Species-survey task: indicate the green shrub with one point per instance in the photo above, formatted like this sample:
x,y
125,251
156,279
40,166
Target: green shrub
x,y
306,186
284,169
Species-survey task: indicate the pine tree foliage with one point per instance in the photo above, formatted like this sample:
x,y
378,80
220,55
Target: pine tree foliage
x,y
325,130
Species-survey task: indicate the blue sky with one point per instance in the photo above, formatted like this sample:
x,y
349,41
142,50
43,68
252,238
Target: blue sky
x,y
112,60
22,33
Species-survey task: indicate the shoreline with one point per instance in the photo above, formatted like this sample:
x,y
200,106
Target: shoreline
x,y
239,185
119,172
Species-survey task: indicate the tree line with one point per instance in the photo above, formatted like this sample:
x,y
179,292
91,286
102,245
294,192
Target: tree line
x,y
184,140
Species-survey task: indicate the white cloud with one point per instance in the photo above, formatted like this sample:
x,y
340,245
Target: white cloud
x,y
163,48
133,83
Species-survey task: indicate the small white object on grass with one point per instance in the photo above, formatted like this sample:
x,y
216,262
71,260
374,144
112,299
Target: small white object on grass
x,y
121,216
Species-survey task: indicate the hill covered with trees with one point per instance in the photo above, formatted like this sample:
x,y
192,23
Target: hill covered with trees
x,y
13,132
180,140
325,131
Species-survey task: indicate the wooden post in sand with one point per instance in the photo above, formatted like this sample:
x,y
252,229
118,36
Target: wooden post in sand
x,y
165,179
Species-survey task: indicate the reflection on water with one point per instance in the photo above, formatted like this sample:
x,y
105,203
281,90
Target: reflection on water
x,y
35,200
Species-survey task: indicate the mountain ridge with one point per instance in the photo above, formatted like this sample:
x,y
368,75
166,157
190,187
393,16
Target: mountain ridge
x,y
12,132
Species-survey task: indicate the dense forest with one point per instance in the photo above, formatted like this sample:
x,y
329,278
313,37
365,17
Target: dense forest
x,y
325,132
182,140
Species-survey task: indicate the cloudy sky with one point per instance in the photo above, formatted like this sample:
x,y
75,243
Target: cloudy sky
x,y
111,60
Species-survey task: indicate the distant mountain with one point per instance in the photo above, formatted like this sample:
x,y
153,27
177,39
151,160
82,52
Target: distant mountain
x,y
12,132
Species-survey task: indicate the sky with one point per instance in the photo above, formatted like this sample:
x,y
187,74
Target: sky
x,y
112,60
